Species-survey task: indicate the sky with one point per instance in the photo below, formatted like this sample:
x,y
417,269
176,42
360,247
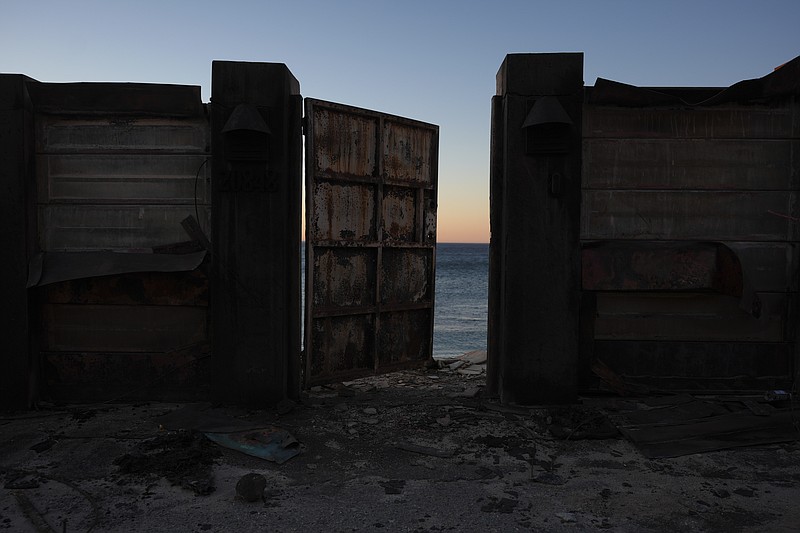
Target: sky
x,y
431,60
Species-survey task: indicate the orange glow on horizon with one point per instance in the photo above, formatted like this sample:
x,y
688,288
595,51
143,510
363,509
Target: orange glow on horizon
x,y
459,225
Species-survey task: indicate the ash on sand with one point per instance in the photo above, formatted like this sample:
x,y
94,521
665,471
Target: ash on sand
x,y
417,450
184,458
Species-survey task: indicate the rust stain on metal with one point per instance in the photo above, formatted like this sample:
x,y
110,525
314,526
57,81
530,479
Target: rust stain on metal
x,y
343,344
345,144
346,278
343,212
404,337
399,214
406,276
661,267
407,153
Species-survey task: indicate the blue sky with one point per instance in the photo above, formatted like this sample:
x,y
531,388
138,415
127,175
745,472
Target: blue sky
x,y
430,60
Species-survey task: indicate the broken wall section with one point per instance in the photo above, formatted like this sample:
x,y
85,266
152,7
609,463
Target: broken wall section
x,y
668,175
121,310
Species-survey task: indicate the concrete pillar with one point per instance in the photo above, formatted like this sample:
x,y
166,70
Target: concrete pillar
x,y
535,188
18,377
256,137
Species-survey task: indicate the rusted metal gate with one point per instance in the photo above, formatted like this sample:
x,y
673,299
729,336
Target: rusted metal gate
x,y
371,183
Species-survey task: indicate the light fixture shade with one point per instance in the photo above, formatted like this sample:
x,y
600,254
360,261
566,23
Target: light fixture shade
x,y
547,110
246,117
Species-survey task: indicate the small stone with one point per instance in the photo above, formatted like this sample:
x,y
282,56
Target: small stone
x,y
251,487
444,421
341,407
370,411
311,466
456,365
371,421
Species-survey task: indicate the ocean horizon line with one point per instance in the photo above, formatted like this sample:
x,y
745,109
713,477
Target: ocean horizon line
x,y
437,242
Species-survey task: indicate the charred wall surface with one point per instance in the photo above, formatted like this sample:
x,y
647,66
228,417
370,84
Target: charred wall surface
x,y
107,295
688,233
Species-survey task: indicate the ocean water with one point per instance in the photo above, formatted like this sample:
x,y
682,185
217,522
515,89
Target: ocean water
x,y
460,310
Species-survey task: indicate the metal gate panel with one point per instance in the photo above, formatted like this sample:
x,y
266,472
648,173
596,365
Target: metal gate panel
x,y
371,183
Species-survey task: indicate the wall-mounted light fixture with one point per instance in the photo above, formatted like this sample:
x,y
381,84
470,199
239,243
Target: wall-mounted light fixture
x,y
246,139
548,128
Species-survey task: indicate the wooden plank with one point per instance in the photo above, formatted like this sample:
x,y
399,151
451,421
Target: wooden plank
x,y
697,360
114,227
731,430
122,178
711,164
689,215
120,328
688,317
719,122
183,375
660,266
120,133
148,288
768,266
103,98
